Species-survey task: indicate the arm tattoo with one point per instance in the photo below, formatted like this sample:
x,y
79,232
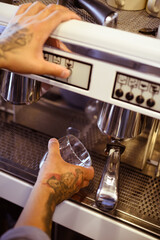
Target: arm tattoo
x,y
65,185
13,38
47,219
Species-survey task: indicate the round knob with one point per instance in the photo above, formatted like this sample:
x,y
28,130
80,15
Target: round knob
x,y
129,96
140,99
119,93
150,102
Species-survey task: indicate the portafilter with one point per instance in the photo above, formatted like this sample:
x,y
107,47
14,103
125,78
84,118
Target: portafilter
x,y
19,90
101,13
118,124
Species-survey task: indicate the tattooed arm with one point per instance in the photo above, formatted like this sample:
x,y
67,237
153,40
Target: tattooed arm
x,y
21,43
57,181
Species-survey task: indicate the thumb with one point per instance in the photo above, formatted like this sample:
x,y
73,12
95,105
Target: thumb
x,y
53,147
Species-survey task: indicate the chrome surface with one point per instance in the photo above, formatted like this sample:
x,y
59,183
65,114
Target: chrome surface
x,y
27,139
114,59
111,21
20,90
119,123
138,203
110,58
130,21
99,11
107,193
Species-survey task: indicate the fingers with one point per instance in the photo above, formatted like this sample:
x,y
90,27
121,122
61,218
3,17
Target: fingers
x,y
53,69
40,67
54,153
53,147
85,184
22,8
88,173
53,11
30,9
41,12
48,10
35,8
61,14
53,42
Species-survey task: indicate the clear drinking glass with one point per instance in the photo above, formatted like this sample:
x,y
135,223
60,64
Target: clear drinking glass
x,y
72,151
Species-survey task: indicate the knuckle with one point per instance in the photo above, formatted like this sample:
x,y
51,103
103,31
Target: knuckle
x,y
39,4
51,5
23,6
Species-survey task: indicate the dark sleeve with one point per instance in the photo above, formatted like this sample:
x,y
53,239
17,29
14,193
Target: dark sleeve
x,y
25,233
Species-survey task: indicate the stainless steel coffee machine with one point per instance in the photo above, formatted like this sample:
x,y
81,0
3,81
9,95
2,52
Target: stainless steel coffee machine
x,y
118,82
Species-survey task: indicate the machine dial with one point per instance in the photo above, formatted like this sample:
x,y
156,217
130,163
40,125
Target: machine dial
x,y
150,102
119,92
129,96
140,99
136,91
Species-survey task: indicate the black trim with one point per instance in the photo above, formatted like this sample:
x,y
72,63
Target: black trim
x,y
139,79
75,60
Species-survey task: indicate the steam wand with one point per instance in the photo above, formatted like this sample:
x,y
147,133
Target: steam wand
x,y
107,193
119,124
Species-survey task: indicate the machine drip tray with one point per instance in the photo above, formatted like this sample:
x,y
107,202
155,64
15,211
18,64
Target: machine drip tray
x,y
129,21
139,194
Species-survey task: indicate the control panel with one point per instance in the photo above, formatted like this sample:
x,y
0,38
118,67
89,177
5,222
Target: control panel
x,y
137,91
80,71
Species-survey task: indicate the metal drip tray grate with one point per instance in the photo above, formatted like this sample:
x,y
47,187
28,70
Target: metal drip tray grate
x,y
21,150
131,21
139,194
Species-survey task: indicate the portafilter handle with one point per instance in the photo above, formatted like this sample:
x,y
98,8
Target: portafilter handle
x,y
119,124
107,193
101,13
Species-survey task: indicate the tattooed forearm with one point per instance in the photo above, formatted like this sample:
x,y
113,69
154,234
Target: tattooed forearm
x,y
14,38
48,214
65,185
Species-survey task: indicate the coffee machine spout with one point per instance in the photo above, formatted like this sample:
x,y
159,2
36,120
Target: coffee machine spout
x,y
119,124
107,193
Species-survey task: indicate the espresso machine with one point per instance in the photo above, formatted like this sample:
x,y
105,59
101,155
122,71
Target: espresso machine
x,y
111,102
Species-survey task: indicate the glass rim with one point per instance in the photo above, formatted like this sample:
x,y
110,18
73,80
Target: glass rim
x,y
68,136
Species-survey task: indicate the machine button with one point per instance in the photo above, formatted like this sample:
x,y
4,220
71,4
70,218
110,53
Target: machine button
x,y
119,93
129,96
150,102
140,99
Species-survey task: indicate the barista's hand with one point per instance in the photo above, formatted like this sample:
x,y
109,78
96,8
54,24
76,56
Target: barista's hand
x,y
21,44
57,181
63,178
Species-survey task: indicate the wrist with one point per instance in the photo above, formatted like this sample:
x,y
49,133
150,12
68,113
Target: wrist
x,y
44,191
40,206
4,56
